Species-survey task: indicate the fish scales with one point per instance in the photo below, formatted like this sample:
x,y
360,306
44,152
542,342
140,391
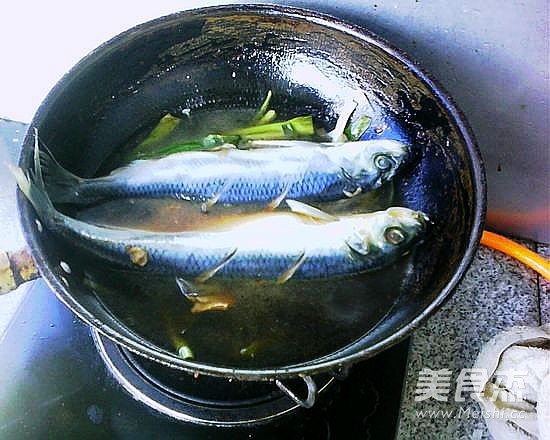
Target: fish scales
x,y
269,245
313,172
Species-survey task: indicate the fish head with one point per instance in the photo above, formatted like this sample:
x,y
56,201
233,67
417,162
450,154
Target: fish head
x,y
378,162
391,232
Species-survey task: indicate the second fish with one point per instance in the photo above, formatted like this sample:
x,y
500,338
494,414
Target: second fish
x,y
306,171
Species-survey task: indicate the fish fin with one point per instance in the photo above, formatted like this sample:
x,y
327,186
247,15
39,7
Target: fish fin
x,y
349,194
257,144
216,196
207,300
211,272
288,274
347,176
224,148
278,200
309,211
187,288
289,180
39,178
357,245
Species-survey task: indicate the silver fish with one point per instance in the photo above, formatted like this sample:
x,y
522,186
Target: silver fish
x,y
305,171
303,244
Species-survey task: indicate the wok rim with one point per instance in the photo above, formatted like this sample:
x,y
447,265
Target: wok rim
x,y
314,366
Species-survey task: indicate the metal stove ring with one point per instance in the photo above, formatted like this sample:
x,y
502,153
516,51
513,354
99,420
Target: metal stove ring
x,y
162,399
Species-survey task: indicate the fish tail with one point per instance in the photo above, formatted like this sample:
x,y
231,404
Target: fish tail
x,y
32,186
63,186
36,194
38,198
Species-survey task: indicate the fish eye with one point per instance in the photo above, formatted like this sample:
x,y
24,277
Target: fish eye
x,y
383,162
395,235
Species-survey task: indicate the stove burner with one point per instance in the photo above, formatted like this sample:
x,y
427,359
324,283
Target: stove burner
x,y
205,400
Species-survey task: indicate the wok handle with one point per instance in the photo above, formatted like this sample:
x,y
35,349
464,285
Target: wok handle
x,y
309,401
15,269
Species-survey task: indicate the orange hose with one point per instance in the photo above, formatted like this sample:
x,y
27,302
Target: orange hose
x,y
535,261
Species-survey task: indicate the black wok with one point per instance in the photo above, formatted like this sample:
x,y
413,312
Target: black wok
x,y
313,63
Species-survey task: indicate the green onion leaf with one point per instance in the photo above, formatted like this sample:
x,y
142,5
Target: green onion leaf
x,y
269,116
299,127
263,108
165,126
355,129
185,351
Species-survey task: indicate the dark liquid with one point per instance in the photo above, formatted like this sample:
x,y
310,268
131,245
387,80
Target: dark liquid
x,y
268,325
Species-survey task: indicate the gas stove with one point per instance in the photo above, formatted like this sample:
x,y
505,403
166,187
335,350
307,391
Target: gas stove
x,y
61,379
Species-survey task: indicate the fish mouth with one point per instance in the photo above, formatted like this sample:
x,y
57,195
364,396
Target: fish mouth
x,y
423,220
407,151
410,155
402,160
